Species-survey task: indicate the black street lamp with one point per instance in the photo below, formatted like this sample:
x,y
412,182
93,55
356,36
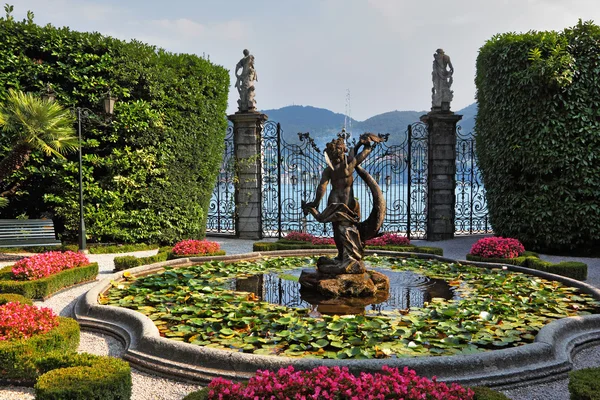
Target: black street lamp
x,y
82,112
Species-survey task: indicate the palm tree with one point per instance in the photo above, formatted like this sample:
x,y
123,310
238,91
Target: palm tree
x,y
34,124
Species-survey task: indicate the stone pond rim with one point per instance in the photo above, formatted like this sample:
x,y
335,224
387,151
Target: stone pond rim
x,y
547,358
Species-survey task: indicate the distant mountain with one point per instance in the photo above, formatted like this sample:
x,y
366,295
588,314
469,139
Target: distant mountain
x,y
323,124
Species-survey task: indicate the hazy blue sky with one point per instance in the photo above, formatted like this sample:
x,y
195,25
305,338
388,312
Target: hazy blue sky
x,y
309,52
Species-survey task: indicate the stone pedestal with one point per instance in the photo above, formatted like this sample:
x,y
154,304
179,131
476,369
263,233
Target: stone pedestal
x,y
247,130
441,177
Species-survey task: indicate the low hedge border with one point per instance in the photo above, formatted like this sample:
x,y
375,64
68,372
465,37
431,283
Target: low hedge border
x,y
19,358
283,244
571,269
82,376
92,248
44,287
585,384
481,393
14,298
164,254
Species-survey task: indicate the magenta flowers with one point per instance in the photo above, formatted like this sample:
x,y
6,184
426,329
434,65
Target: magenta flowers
x,y
21,321
195,247
337,383
497,247
46,264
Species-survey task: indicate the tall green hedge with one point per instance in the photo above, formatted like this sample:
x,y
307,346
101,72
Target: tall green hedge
x,y
538,136
149,171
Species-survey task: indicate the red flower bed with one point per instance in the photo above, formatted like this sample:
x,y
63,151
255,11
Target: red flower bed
x,y
497,247
21,321
383,240
337,383
193,247
388,239
45,264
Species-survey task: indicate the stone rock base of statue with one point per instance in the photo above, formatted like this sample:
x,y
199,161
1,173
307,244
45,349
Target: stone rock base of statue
x,y
339,305
365,284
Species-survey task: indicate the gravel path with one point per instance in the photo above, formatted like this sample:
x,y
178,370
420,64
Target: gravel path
x,y
149,387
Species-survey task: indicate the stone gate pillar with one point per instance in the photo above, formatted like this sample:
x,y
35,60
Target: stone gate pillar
x,y
441,175
247,131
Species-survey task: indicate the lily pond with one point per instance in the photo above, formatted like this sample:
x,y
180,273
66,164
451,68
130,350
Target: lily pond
x,y
449,309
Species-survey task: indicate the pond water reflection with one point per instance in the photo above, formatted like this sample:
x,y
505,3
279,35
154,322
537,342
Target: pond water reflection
x,y
407,289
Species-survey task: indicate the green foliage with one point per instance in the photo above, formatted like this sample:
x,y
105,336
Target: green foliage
x,y
485,393
537,135
14,298
19,358
585,384
571,269
42,288
83,376
126,262
496,309
201,394
216,253
148,172
284,244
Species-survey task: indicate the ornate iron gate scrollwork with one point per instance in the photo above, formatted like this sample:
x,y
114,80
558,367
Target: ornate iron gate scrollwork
x,y
471,215
291,173
221,209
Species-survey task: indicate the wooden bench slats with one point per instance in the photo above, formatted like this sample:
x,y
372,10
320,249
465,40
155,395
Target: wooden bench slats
x,y
27,232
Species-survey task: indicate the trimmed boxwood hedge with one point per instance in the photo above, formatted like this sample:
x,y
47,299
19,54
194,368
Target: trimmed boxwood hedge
x,y
585,384
216,253
93,248
297,245
537,140
126,262
164,254
572,269
14,298
485,393
151,173
82,376
44,287
19,358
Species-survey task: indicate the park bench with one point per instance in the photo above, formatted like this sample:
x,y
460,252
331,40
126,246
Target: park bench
x,y
27,232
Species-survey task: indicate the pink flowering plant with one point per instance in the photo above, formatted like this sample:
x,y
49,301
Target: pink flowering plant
x,y
195,247
46,264
21,321
389,239
497,247
383,240
337,383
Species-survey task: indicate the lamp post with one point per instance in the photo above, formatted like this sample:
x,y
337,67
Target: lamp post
x,y
81,112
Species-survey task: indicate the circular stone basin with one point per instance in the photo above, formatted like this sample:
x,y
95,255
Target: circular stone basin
x,y
407,289
208,330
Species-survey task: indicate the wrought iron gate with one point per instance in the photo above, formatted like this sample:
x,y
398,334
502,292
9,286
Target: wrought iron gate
x,y
291,173
471,215
221,209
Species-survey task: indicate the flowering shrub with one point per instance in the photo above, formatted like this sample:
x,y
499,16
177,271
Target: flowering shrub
x,y
497,247
337,383
192,247
300,236
385,239
388,238
45,264
21,321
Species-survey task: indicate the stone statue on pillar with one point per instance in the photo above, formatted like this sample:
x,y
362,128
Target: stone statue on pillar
x,y
442,80
245,82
